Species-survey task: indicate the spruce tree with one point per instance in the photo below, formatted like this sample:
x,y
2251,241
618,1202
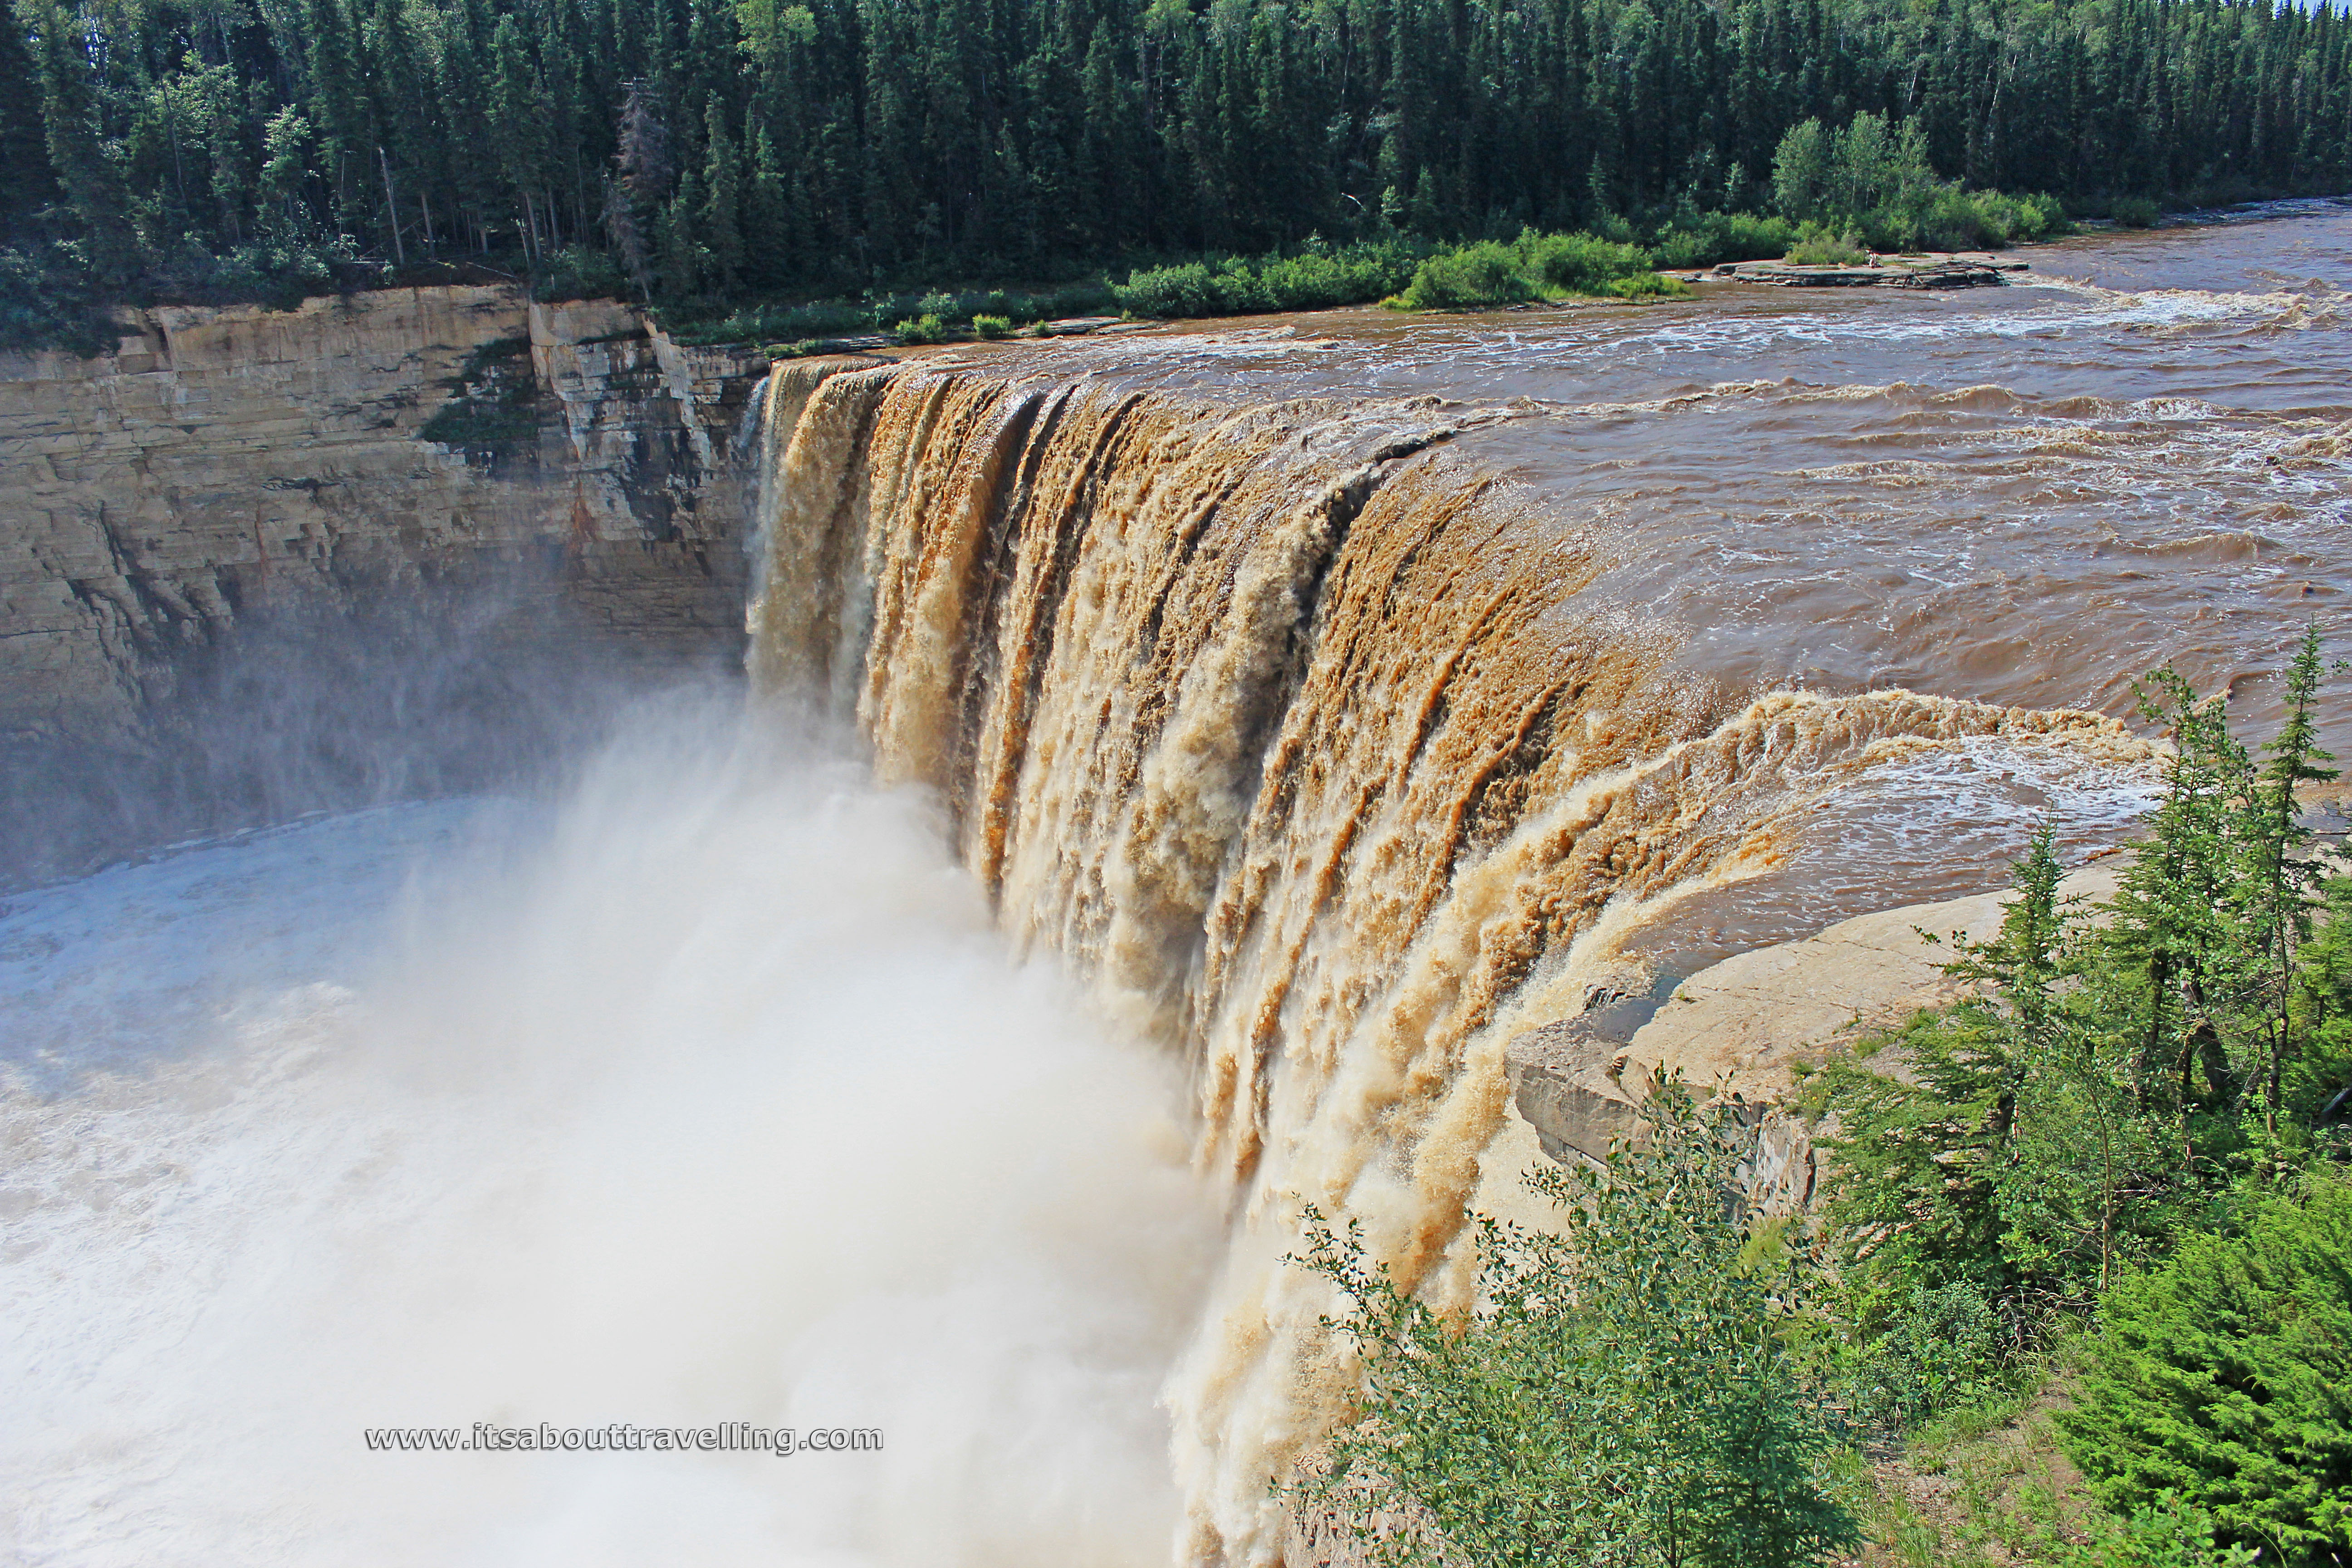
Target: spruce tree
x,y
70,122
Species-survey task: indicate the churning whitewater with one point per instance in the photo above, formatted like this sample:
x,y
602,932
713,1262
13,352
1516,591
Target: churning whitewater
x,y
709,1096
1225,744
1337,758
1305,751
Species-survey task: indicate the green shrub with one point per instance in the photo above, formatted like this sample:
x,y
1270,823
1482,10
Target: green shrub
x,y
1172,291
924,329
1725,237
46,301
1827,248
992,326
2162,1535
580,272
2224,1379
772,324
2133,212
1943,1349
1647,286
1578,263
1318,279
2041,217
1483,274
1622,1395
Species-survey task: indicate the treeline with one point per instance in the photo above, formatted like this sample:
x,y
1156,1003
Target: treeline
x,y
719,149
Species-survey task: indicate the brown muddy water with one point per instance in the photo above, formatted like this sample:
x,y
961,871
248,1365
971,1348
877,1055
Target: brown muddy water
x,y
2140,452
1271,719
1343,696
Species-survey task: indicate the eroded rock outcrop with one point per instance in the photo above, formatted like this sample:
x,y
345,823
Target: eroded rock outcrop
x,y
221,459
1738,1028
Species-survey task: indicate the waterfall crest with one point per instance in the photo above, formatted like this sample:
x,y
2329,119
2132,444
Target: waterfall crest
x,y
1306,739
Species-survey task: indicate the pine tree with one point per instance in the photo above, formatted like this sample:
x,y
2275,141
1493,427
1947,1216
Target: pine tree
x,y
69,120
721,221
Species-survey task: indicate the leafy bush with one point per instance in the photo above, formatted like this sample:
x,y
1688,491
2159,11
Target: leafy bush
x,y
2165,1534
46,301
1578,263
1317,279
580,272
2133,212
1623,1394
1872,178
991,326
1483,274
1944,1349
2224,1379
1724,236
2041,217
1172,292
1827,248
1647,286
765,323
924,329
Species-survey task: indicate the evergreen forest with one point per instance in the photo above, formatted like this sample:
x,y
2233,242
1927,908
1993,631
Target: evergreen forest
x,y
703,153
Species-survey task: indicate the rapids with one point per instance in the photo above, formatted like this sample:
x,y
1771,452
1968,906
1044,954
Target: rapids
x,y
1264,723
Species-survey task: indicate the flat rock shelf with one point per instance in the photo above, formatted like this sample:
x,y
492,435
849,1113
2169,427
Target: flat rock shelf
x,y
1932,269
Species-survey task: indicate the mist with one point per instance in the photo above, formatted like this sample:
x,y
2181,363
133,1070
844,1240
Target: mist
x,y
381,693
701,1091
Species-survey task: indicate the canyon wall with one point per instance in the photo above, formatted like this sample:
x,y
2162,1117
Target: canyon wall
x,y
222,461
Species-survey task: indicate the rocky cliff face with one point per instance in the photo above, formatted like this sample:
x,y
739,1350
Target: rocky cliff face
x,y
222,461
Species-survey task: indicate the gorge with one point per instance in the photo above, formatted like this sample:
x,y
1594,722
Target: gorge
x,y
1324,705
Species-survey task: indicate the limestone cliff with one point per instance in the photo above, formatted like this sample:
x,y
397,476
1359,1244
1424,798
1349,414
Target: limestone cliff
x,y
224,460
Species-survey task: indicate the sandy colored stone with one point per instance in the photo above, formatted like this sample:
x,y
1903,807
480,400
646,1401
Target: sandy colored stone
x,y
220,458
1737,1027
1744,1021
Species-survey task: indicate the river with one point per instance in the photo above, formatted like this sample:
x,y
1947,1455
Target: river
x,y
1178,762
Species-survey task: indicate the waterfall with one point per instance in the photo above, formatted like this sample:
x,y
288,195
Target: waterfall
x,y
1308,741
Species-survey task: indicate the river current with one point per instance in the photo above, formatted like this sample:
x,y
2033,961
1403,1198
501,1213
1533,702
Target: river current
x,y
721,1084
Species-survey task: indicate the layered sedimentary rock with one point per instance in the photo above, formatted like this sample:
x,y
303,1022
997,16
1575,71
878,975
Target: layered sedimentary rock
x,y
220,460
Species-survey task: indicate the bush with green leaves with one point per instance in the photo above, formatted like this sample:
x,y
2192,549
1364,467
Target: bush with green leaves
x,y
1471,276
1943,1347
1317,277
2222,1380
580,272
1623,1394
1709,238
1828,248
2167,1533
1578,263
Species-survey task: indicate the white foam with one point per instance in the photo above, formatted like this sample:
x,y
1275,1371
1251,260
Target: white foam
x,y
710,1096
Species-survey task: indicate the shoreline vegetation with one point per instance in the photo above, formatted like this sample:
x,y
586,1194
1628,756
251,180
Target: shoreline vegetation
x,y
1863,187
718,159
1866,187
2078,1295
